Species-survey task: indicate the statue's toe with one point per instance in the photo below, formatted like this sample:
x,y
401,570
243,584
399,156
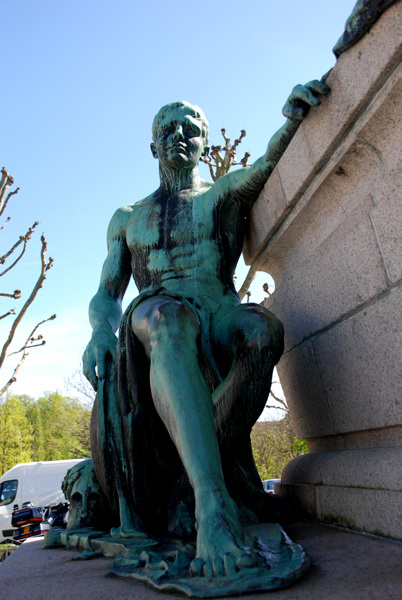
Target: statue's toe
x,y
196,567
218,567
247,560
229,563
208,569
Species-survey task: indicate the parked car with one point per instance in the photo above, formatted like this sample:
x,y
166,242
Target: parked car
x,y
269,485
38,483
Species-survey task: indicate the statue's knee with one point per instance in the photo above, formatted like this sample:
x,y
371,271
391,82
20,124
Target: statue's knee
x,y
262,331
273,334
277,337
173,311
275,326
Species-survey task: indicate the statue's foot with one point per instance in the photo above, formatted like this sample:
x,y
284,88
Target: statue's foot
x,y
220,547
128,532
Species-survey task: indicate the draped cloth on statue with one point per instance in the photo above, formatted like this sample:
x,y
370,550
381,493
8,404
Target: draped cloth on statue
x,y
134,457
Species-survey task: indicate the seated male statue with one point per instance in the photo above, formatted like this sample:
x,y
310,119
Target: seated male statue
x,y
180,390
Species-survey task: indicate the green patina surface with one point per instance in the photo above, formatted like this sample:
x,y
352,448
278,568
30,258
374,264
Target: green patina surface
x,y
164,565
179,391
365,13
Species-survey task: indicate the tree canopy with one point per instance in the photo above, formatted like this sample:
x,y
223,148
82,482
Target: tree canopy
x,y
275,444
52,427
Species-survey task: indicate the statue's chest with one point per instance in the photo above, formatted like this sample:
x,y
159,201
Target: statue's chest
x,y
168,224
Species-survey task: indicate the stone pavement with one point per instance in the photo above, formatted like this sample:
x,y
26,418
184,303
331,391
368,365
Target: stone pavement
x,y
346,565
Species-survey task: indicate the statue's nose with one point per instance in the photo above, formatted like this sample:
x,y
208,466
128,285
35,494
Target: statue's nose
x,y
178,133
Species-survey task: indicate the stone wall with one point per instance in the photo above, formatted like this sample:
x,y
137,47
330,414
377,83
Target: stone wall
x,y
327,227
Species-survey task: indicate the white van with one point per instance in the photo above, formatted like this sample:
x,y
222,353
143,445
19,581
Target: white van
x,y
37,482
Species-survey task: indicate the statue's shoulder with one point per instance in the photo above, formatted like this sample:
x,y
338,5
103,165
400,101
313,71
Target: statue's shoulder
x,y
218,190
119,221
207,189
207,185
122,214
121,218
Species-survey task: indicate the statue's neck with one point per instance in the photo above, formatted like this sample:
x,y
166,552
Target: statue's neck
x,y
174,180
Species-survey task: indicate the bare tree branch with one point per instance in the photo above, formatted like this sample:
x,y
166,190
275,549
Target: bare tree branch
x,y
27,346
7,314
4,176
244,160
222,163
29,342
247,282
16,294
211,168
45,266
78,386
32,341
265,287
13,378
24,239
5,183
281,401
5,223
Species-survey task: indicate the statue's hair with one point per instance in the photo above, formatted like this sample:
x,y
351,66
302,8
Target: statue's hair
x,y
195,112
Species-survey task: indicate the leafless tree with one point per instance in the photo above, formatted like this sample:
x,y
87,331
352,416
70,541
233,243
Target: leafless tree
x,y
281,401
14,255
78,386
220,159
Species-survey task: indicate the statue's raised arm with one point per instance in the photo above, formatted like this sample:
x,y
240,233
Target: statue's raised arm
x,y
249,181
296,108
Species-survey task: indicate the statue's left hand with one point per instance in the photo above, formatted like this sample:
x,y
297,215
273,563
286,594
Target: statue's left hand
x,y
102,346
302,98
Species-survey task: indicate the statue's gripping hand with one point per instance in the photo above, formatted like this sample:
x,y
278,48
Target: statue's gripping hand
x,y
100,350
302,98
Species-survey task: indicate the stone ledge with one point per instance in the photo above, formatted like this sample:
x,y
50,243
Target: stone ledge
x,y
360,489
369,468
346,566
357,440
350,507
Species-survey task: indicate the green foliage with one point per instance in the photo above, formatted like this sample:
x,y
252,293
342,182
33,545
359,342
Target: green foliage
x,y
299,446
51,428
15,433
275,444
65,434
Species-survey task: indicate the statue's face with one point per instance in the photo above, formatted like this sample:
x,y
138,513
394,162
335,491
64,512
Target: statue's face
x,y
179,141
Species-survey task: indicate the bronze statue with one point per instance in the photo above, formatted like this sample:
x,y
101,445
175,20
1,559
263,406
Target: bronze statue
x,y
180,390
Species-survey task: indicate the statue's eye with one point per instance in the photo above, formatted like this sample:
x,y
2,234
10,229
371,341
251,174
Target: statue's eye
x,y
189,130
169,128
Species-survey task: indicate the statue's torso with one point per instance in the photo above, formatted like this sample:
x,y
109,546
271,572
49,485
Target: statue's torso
x,y
188,242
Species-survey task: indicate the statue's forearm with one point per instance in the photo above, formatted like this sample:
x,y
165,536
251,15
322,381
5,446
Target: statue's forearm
x,y
104,312
280,141
249,182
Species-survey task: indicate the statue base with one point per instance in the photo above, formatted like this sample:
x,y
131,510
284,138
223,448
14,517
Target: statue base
x,y
164,564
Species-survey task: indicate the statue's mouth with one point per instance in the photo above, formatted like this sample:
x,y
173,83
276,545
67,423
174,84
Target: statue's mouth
x,y
178,146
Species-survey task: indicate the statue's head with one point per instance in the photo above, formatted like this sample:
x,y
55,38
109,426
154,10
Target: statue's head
x,y
187,108
180,123
88,506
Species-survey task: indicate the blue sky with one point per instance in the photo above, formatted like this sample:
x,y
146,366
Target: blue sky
x,y
82,81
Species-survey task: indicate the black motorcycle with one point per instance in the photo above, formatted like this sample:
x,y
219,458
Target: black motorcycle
x,y
33,520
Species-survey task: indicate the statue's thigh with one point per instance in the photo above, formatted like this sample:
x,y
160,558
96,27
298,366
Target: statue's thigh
x,y
162,319
249,342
